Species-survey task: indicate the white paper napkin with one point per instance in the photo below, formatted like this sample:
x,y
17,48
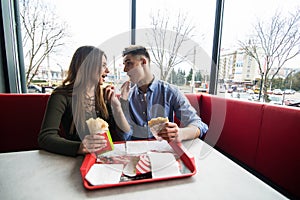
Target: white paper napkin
x,y
163,165
100,174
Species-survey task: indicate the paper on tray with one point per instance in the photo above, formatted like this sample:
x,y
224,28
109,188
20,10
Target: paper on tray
x,y
163,165
134,147
119,149
100,174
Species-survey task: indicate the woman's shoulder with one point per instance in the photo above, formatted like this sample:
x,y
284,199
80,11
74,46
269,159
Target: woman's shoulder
x,y
62,90
59,89
61,93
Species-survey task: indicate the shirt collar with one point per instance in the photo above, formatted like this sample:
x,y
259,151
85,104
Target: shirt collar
x,y
151,87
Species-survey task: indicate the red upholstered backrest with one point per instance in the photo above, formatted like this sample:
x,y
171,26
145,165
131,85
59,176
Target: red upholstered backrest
x,y
23,115
278,153
241,130
194,100
234,126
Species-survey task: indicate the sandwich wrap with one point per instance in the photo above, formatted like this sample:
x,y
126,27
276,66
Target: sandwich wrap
x,y
99,126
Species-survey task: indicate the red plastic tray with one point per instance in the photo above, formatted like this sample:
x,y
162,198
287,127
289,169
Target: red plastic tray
x,y
185,157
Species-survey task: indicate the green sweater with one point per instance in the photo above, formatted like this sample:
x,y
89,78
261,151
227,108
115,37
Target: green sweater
x,y
59,113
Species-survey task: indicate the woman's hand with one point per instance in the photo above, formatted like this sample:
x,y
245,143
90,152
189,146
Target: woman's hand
x,y
110,96
112,99
92,143
170,132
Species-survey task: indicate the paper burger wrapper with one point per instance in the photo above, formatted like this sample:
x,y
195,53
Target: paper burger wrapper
x,y
156,125
99,126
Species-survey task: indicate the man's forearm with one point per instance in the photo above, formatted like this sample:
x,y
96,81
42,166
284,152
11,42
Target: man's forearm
x,y
189,132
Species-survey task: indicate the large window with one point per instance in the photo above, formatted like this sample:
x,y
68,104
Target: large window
x,y
252,31
182,31
63,26
180,36
188,29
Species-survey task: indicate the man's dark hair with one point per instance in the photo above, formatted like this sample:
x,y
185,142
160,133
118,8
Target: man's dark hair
x,y
136,50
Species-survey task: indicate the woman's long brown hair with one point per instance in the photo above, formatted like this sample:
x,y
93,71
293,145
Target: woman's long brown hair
x,y
86,64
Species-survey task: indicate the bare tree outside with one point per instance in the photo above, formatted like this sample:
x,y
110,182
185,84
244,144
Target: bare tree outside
x,y
165,46
42,33
273,44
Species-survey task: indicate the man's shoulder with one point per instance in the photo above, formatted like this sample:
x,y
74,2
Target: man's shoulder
x,y
165,84
168,89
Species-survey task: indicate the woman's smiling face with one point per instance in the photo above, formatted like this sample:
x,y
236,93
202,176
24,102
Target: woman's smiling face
x,y
104,70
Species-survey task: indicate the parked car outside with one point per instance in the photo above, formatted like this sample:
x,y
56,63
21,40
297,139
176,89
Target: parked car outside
x,y
277,92
289,101
275,99
242,96
240,89
34,89
289,91
256,91
292,102
249,91
230,90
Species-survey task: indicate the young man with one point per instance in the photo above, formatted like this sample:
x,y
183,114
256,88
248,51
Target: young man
x,y
150,98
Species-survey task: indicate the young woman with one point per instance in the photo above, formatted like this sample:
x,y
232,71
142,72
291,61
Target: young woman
x,y
79,98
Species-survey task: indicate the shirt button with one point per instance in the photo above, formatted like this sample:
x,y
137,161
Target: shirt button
x,y
144,113
145,125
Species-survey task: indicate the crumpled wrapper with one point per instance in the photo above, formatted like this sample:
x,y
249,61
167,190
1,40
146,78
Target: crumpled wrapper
x,y
156,125
99,126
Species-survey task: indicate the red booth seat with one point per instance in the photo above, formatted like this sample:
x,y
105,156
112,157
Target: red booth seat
x,y
21,119
264,138
278,152
234,126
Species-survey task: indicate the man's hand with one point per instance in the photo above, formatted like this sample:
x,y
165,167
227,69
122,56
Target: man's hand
x,y
170,132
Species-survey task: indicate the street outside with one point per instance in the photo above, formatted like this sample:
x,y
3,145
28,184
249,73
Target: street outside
x,y
274,99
